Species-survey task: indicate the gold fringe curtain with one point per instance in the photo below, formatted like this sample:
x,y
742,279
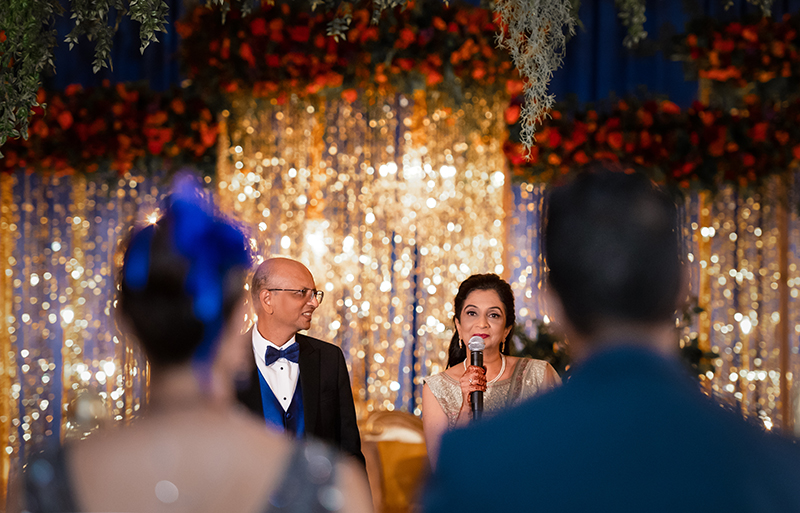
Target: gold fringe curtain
x,y
391,202
743,251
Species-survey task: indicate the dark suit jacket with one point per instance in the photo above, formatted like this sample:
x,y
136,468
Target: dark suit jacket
x,y
328,407
629,432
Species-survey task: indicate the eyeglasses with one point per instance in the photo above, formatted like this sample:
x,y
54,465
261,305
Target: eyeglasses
x,y
303,293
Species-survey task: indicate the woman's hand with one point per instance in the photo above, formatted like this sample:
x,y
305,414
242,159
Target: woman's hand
x,y
473,380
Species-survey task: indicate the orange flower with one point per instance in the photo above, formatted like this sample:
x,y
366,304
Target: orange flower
x,y
73,89
581,158
553,159
177,106
439,23
406,38
405,64
750,34
691,40
668,107
246,53
645,141
433,78
615,140
350,95
65,119
225,52
514,87
512,114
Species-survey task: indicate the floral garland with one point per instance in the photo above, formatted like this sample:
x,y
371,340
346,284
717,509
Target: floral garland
x,y
698,148
117,127
282,49
742,53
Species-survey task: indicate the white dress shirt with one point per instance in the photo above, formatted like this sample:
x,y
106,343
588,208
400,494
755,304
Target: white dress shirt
x,y
282,375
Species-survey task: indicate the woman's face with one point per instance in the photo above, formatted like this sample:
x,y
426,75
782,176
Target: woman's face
x,y
484,316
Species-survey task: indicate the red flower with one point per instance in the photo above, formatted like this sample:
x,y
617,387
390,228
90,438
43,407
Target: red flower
x,y
258,27
350,95
512,114
759,132
273,61
555,138
178,107
750,34
514,87
407,37
247,54
65,119
405,64
433,78
668,107
748,160
299,34
369,34
73,89
615,140
581,158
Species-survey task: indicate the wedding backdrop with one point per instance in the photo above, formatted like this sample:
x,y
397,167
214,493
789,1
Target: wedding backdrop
x,y
392,164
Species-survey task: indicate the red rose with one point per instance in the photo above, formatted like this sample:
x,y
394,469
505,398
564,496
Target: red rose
x,y
299,34
615,140
350,95
512,114
258,27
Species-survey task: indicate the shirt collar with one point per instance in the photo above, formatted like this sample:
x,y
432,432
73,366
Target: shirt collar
x,y
260,344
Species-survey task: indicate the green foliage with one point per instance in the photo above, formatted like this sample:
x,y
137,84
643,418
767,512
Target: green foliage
x,y
546,345
27,39
549,345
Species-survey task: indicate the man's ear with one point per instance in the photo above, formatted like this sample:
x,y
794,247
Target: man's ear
x,y
265,301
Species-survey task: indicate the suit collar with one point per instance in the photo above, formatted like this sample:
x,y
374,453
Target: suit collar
x,y
309,379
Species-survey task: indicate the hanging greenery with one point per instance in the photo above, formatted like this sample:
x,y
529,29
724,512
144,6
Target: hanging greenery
x,y
27,39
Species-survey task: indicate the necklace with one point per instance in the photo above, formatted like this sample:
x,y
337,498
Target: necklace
x,y
502,369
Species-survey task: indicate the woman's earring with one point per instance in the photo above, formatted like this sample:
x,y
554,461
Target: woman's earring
x,y
460,343
503,347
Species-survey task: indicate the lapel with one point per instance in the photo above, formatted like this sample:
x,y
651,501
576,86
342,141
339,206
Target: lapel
x,y
309,380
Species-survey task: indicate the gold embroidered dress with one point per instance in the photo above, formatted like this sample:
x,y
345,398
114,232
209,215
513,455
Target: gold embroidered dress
x,y
529,378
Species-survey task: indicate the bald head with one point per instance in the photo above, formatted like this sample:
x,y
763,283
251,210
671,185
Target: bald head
x,y
285,297
270,273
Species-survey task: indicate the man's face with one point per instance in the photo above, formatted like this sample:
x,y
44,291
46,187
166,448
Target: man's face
x,y
290,308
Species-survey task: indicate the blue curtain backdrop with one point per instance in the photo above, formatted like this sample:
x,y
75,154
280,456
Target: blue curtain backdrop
x,y
596,67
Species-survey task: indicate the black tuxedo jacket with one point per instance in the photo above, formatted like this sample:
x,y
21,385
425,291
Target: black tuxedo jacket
x,y
328,407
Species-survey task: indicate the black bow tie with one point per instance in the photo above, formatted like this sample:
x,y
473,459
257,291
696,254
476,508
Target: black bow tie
x,y
292,353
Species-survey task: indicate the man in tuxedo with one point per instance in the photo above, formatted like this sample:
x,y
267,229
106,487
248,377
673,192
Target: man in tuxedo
x,y
298,384
630,431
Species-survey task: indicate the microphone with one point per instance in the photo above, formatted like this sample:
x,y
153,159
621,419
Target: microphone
x,y
476,346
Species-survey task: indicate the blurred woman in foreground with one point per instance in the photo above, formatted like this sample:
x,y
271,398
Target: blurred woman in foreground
x,y
181,296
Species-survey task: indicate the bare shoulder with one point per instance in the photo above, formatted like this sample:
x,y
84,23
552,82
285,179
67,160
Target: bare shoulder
x,y
187,451
455,372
